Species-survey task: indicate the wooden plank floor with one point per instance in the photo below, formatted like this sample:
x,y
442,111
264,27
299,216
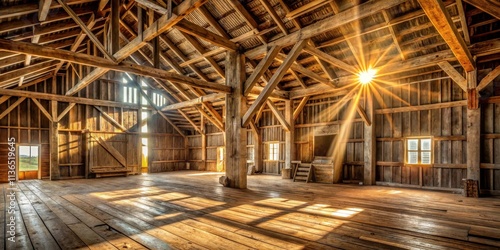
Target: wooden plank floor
x,y
190,210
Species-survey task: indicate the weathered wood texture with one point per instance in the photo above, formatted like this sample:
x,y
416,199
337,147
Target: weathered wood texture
x,y
446,125
215,139
30,126
189,210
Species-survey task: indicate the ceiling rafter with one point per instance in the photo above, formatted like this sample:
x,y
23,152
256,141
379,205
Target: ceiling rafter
x,y
162,24
440,18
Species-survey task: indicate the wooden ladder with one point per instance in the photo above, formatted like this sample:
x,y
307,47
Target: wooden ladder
x,y
303,172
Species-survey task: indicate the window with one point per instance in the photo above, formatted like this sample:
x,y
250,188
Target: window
x,y
129,95
158,99
418,151
28,158
274,151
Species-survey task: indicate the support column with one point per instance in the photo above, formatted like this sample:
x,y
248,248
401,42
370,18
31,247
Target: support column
x,y
370,144
115,26
236,135
473,128
289,140
139,126
203,143
257,151
54,143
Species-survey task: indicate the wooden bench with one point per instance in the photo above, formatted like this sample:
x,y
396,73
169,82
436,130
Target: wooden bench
x,y
110,171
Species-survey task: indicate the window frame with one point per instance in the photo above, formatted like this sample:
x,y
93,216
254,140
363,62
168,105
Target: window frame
x,y
419,150
273,151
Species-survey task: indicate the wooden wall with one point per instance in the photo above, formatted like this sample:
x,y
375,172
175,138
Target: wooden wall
x,y
447,127
167,149
80,128
28,126
214,139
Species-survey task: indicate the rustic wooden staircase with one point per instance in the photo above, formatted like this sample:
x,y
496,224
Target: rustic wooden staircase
x,y
320,170
303,172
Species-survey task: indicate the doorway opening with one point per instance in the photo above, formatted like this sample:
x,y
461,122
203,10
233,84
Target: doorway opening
x,y
29,162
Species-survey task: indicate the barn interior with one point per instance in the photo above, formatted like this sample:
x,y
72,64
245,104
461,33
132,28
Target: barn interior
x,y
250,124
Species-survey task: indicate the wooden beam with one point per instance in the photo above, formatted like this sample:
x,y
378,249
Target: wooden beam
x,y
201,50
55,172
44,111
300,107
112,151
247,17
393,34
11,107
299,79
463,21
363,115
212,21
277,19
331,60
328,24
488,79
27,60
114,27
102,4
306,8
279,116
260,69
105,65
62,98
299,68
322,89
4,98
422,107
17,73
202,33
85,29
440,18
289,136
370,142
190,103
162,24
78,40
150,102
152,5
491,7
473,132
44,7
454,74
111,119
273,82
65,111
54,17
259,113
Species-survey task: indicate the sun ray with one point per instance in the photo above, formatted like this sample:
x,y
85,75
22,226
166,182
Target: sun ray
x,y
393,95
383,55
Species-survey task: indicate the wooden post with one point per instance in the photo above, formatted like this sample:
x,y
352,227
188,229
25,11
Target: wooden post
x,y
235,134
257,151
370,144
115,26
54,137
289,137
139,127
203,143
473,129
